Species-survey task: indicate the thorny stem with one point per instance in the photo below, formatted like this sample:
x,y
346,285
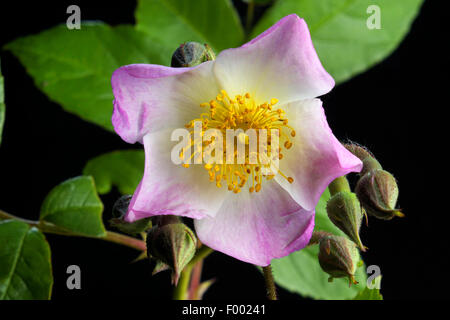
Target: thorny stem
x,y
270,283
181,290
48,227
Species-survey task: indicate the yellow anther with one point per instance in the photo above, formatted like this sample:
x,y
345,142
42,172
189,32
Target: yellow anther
x,y
208,166
186,165
288,144
290,179
243,113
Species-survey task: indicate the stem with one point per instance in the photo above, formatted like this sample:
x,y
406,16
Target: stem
x,y
181,290
270,283
195,281
339,184
249,20
48,227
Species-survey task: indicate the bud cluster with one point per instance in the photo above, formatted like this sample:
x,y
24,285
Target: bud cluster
x,y
376,193
376,189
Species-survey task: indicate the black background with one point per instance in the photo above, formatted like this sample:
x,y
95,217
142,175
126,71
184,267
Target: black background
x,y
388,109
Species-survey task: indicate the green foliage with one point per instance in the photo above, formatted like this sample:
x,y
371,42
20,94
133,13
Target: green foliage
x,y
75,206
2,105
26,271
173,22
123,169
338,28
74,67
300,272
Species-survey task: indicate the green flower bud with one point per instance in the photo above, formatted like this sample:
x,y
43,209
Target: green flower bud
x,y
339,257
119,210
359,151
344,210
368,159
191,54
158,266
377,191
172,244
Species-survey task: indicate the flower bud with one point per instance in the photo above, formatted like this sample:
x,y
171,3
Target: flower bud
x,y
344,210
191,54
173,244
378,192
339,257
368,159
119,210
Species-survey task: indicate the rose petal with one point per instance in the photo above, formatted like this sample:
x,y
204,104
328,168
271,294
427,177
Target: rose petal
x,y
149,98
168,188
258,227
316,157
281,63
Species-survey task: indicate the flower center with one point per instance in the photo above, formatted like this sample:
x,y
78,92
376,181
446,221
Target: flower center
x,y
268,125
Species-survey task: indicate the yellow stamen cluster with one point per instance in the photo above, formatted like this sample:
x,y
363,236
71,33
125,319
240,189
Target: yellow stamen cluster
x,y
242,112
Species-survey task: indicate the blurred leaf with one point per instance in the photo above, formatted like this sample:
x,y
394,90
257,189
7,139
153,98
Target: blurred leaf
x,y
261,2
338,28
75,206
370,294
301,273
2,105
74,67
123,169
25,263
174,22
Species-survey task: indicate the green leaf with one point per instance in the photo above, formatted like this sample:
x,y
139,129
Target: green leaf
x,y
2,105
339,32
174,22
301,273
75,206
370,294
123,169
25,260
74,67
